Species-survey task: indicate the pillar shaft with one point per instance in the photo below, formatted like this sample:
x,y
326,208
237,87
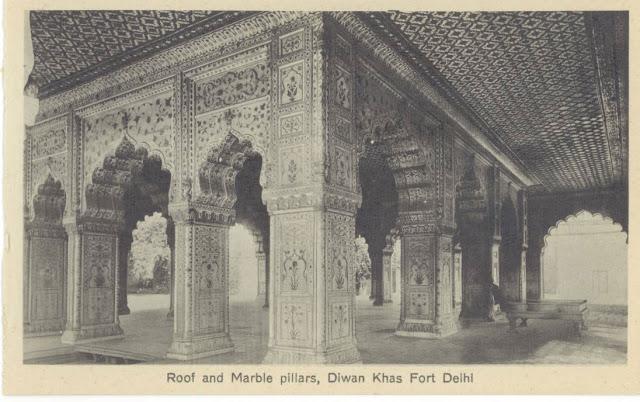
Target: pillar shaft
x,y
171,240
387,272
426,309
201,310
312,314
93,282
377,275
124,248
457,280
45,278
261,264
201,322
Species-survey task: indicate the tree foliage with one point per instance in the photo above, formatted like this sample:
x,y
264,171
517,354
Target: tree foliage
x,y
150,252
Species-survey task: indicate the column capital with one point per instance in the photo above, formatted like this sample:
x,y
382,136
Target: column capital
x,y
189,212
313,198
423,222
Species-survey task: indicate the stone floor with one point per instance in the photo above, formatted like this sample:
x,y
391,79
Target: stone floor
x,y
148,334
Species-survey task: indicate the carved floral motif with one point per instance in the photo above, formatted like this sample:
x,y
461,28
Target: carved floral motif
x,y
294,275
291,43
149,121
291,83
232,88
339,320
343,88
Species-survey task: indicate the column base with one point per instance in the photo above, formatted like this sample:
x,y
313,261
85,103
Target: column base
x,y
280,355
170,315
201,346
387,301
92,334
124,310
427,329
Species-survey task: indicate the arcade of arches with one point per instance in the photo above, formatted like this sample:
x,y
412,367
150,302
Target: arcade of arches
x,y
310,129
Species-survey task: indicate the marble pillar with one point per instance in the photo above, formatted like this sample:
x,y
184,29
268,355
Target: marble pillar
x,y
377,275
171,241
312,314
261,266
125,240
387,273
201,309
45,279
427,287
93,281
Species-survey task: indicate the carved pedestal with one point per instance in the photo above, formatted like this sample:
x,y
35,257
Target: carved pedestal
x,y
201,323
312,314
426,309
93,282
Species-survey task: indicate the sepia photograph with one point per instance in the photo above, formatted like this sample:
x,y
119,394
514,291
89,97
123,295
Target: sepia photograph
x,y
320,188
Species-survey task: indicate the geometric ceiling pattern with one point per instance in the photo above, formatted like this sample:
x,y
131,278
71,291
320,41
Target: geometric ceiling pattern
x,y
69,42
531,77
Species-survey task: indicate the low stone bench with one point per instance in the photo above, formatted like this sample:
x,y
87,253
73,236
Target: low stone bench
x,y
568,310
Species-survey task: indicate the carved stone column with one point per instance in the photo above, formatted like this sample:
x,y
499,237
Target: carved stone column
x,y
377,274
457,280
524,229
171,240
124,248
387,272
312,199
94,284
201,323
312,314
261,264
427,287
477,244
201,310
46,266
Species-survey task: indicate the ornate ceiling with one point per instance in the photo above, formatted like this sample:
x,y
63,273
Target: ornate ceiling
x,y
534,82
71,47
532,79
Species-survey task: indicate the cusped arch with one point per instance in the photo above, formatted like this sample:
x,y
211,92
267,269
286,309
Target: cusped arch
x,y
217,174
573,215
407,147
121,171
